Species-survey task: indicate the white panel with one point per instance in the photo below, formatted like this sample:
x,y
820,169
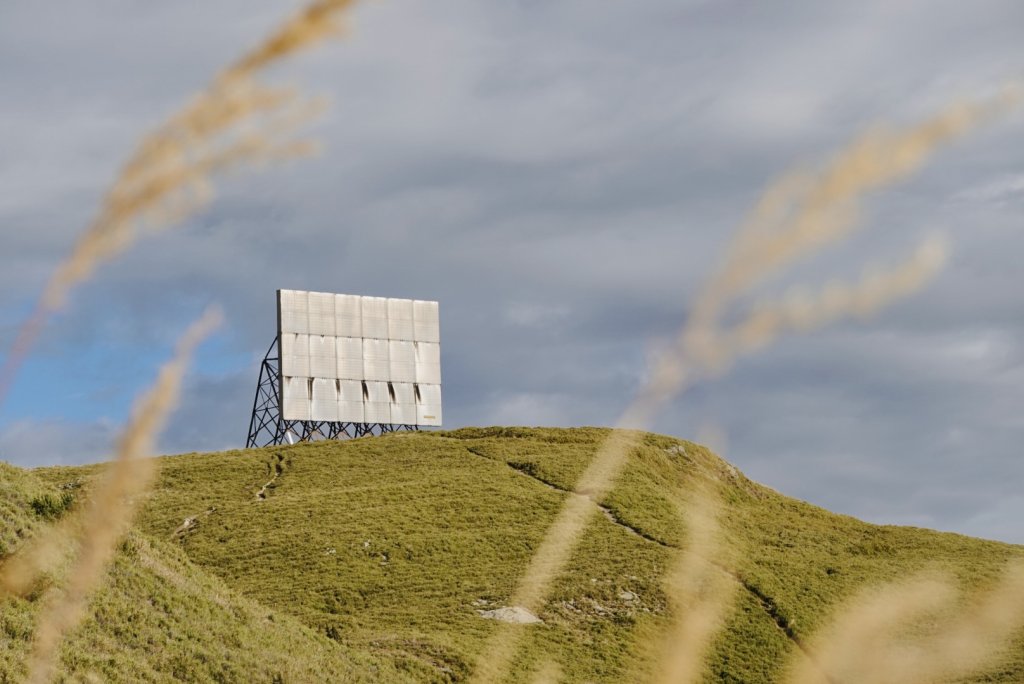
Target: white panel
x,y
426,322
324,404
321,314
377,413
400,329
428,415
294,354
428,373
377,392
350,401
429,394
293,306
375,317
405,392
350,358
403,408
427,352
400,309
403,414
402,361
428,363
400,319
348,316
296,399
350,390
375,360
428,408
323,361
377,407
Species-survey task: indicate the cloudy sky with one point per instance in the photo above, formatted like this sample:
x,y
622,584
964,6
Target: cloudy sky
x,y
561,175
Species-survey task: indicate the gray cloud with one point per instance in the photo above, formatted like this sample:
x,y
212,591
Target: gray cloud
x,y
561,176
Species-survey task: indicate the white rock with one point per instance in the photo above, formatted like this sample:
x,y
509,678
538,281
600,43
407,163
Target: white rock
x,y
515,614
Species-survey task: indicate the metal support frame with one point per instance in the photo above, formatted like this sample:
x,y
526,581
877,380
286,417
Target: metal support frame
x,y
267,427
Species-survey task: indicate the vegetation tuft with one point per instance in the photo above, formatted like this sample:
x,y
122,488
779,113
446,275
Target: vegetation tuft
x,y
50,506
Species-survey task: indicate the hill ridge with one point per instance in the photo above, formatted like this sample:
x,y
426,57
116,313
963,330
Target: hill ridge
x,y
387,547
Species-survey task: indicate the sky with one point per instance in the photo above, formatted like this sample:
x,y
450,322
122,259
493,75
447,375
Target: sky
x,y
562,176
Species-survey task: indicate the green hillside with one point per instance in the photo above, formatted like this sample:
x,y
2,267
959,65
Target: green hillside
x,y
371,560
161,618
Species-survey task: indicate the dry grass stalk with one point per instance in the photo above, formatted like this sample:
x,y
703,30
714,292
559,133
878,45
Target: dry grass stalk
x,y
317,21
804,310
234,122
547,562
112,504
867,642
796,216
39,555
549,673
802,213
700,594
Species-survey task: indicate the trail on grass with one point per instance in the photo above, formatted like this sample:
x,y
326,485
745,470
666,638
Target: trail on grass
x,y
767,603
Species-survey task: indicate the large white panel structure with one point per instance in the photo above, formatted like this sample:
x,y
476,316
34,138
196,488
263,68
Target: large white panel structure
x,y
353,359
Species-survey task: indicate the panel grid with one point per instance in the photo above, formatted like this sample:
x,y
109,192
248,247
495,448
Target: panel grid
x,y
349,358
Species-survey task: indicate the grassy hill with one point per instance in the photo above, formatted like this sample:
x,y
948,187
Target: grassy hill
x,y
371,559
162,618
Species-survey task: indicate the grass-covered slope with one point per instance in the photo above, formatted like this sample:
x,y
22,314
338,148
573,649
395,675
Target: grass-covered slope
x,y
386,549
158,617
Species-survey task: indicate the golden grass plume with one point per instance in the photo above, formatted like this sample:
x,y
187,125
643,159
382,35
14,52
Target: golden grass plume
x,y
36,557
868,640
549,673
802,212
699,592
803,309
233,122
111,506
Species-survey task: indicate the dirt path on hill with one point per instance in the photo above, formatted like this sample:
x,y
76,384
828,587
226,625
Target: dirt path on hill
x,y
277,468
767,603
